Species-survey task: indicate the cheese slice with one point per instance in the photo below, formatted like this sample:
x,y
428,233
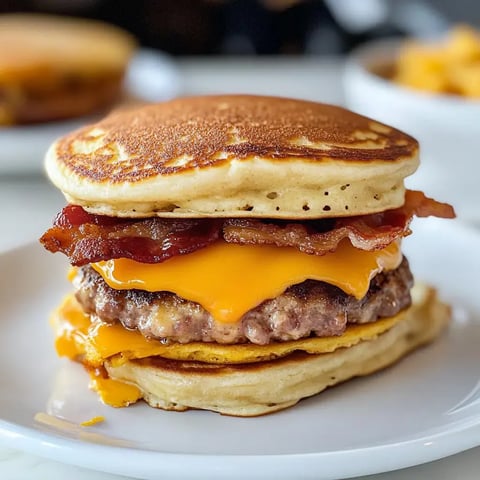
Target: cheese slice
x,y
228,280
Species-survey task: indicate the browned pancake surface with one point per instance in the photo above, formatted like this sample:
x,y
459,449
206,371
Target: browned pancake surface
x,y
201,132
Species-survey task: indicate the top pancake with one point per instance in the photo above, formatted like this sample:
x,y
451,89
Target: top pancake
x,y
234,156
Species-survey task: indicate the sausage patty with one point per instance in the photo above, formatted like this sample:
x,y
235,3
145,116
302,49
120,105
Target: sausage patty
x,y
309,308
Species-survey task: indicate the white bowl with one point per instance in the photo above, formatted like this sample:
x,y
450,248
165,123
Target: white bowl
x,y
447,127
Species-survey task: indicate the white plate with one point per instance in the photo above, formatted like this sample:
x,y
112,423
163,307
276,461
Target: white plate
x,y
152,77
424,408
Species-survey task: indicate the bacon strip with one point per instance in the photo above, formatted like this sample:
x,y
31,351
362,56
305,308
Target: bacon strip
x,y
366,232
87,238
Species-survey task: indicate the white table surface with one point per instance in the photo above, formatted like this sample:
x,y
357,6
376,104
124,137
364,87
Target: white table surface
x,y
28,204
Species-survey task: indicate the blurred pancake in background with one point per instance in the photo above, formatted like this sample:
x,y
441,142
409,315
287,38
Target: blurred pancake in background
x,y
54,68
148,76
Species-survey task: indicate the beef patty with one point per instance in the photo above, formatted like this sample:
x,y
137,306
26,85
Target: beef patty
x,y
309,308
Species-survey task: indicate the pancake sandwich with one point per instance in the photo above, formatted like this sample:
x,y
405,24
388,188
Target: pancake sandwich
x,y
237,253
54,67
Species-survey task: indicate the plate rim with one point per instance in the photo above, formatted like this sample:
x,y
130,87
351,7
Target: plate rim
x,y
465,434
278,466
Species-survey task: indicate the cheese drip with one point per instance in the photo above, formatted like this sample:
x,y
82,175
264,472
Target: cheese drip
x,y
228,280
72,336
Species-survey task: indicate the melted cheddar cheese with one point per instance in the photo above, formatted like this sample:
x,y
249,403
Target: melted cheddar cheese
x,y
73,338
93,421
228,280
114,393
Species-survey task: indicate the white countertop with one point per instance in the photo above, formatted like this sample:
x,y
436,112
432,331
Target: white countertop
x,y
28,204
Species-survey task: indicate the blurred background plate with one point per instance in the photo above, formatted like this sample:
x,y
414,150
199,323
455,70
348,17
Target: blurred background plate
x,y
152,77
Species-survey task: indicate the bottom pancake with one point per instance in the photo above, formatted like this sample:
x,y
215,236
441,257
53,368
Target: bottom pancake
x,y
259,388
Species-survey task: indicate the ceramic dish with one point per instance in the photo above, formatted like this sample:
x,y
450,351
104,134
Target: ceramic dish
x,y
424,408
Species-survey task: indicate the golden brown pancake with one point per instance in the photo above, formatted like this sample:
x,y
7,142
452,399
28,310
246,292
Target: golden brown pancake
x,y
57,67
234,156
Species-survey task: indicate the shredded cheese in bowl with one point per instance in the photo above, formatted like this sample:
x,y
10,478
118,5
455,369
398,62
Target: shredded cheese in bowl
x,y
450,66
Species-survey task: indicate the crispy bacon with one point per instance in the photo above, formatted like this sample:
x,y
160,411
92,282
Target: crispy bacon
x,y
366,232
87,238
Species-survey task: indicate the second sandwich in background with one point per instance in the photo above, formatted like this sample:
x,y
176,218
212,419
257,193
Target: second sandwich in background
x,y
55,67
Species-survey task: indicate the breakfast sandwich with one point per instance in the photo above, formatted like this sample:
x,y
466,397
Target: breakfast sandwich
x,y
237,253
54,67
